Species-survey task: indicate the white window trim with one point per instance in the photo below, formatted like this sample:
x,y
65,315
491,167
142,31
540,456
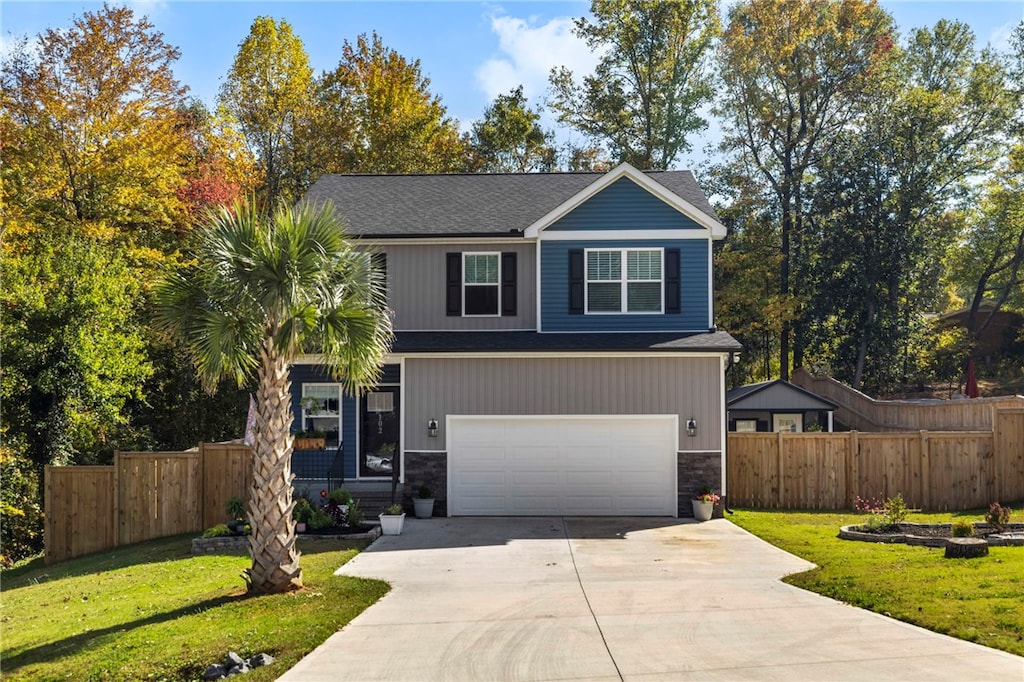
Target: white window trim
x,y
338,416
624,282
497,285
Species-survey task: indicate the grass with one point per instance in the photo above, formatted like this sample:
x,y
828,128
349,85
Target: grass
x,y
978,600
153,611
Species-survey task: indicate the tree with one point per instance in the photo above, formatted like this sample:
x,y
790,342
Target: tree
x,y
74,352
643,99
794,74
877,227
91,131
510,139
376,115
261,291
269,90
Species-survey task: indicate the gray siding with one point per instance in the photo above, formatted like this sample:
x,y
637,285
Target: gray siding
x,y
688,387
780,398
416,287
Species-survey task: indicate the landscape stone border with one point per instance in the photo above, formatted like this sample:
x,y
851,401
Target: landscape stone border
x,y
990,535
234,544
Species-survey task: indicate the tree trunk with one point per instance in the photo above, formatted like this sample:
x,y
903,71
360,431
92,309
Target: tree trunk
x,y
275,559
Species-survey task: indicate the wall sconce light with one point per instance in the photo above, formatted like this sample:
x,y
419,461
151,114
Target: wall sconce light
x,y
691,427
432,428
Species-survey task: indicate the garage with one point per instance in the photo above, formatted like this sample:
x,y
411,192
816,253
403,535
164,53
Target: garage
x,y
595,465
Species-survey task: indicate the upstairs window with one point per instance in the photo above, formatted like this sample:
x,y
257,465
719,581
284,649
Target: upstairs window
x,y
624,281
480,283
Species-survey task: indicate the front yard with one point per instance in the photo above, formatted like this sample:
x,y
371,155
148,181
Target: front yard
x,y
973,599
153,611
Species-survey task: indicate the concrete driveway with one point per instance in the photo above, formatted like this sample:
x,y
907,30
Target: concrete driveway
x,y
617,599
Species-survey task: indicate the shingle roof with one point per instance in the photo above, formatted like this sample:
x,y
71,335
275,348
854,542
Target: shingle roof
x,y
462,342
465,205
784,395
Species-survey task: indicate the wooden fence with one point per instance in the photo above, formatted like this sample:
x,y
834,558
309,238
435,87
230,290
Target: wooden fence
x,y
934,470
861,412
144,495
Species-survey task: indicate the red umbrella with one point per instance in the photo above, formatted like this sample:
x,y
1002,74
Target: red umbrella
x,y
972,381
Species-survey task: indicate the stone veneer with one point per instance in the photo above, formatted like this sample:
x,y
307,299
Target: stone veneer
x,y
429,469
696,469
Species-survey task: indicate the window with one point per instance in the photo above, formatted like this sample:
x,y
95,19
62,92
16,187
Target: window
x,y
321,412
746,425
635,288
480,283
793,423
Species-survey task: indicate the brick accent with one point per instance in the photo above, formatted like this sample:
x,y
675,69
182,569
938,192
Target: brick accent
x,y
696,469
430,469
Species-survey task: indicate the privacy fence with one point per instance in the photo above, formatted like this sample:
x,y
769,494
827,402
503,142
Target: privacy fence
x,y
933,470
144,495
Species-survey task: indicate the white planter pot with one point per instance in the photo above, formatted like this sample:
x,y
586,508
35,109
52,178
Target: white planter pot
x,y
390,524
702,510
424,507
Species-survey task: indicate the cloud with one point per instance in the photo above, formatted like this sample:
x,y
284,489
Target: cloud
x,y
1000,37
528,52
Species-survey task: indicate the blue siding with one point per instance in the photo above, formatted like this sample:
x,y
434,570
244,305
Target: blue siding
x,y
624,205
310,374
694,315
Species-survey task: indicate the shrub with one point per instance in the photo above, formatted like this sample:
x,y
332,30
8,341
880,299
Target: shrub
x,y
218,531
962,528
424,492
320,519
21,517
895,510
393,510
340,496
235,507
355,514
873,523
998,515
302,511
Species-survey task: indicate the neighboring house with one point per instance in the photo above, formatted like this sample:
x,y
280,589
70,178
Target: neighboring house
x,y
777,406
555,349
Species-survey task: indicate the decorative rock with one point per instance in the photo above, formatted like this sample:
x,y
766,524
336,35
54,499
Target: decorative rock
x,y
260,660
966,548
215,672
233,659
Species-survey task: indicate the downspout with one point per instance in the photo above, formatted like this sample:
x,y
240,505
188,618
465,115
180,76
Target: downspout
x,y
725,445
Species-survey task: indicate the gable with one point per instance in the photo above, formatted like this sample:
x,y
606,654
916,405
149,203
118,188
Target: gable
x,y
776,395
624,205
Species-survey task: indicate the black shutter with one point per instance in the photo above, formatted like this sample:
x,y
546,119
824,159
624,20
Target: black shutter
x,y
577,282
508,284
672,282
762,425
454,285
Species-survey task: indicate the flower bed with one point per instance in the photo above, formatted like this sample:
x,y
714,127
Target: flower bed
x,y
934,534
234,544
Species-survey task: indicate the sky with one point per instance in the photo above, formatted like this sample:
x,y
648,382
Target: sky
x,y
471,51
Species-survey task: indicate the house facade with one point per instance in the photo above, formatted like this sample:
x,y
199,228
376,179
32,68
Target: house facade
x,y
778,406
555,350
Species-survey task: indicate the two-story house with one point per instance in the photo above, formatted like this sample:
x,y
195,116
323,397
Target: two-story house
x,y
555,349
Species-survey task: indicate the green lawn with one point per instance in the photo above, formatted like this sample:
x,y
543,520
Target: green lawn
x,y
153,611
974,599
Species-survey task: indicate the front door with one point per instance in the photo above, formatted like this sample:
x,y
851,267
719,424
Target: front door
x,y
379,432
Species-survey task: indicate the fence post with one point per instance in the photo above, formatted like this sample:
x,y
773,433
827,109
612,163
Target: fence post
x,y
926,467
117,498
49,516
854,471
782,478
201,487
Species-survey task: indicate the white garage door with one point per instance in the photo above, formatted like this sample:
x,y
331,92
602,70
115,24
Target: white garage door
x,y
567,465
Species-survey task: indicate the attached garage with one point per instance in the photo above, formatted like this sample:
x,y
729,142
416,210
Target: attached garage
x,y
594,465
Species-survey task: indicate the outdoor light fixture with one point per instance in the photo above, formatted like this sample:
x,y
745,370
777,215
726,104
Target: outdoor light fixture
x,y
691,427
432,428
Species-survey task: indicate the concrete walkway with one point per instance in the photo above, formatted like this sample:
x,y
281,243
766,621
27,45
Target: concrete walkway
x,y
617,599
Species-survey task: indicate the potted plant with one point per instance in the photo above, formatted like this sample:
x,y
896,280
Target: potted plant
x,y
235,508
391,520
338,502
302,513
704,503
423,503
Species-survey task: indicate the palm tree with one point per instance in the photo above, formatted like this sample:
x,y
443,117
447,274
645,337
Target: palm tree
x,y
260,291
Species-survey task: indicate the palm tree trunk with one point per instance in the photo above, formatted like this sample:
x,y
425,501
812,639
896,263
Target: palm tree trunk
x,y
275,559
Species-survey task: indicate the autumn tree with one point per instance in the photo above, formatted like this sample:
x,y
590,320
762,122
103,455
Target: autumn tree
x,y
794,74
268,90
376,114
91,131
644,97
510,139
878,227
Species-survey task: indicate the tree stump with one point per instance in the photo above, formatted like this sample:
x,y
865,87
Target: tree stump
x,y
966,548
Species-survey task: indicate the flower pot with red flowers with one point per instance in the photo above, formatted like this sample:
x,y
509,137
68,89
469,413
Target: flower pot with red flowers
x,y
704,503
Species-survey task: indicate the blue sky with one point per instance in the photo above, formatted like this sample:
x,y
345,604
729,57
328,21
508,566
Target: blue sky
x,y
471,51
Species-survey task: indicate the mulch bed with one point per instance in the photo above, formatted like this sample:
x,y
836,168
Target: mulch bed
x,y
927,534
